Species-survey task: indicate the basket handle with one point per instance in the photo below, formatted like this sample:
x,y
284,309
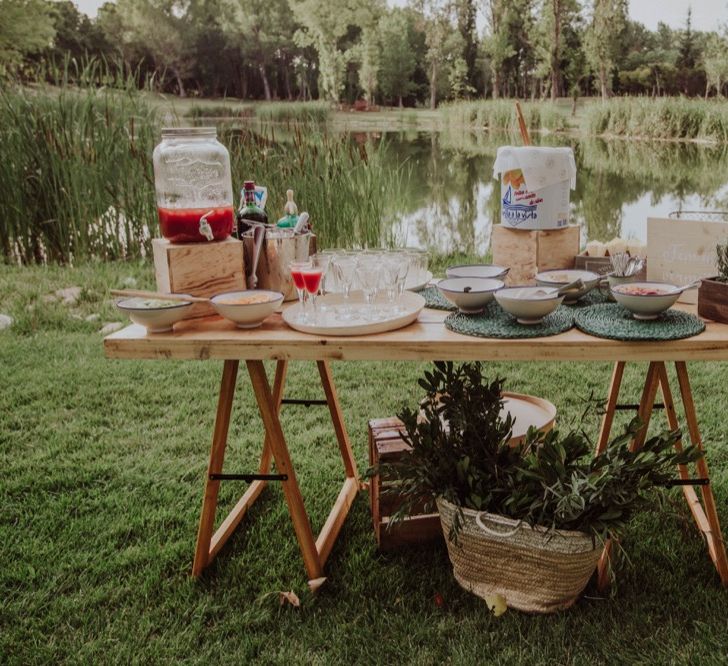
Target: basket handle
x,y
492,532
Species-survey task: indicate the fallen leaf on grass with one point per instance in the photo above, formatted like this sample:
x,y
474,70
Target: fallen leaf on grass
x,y
289,597
315,584
496,603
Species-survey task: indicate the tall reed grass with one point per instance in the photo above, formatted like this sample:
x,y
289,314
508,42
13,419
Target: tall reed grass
x,y
659,118
76,178
501,115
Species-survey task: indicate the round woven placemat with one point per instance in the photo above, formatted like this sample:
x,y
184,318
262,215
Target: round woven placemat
x,y
497,323
594,297
612,321
435,300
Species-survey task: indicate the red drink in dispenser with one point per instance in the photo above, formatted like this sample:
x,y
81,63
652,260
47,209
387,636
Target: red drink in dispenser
x,y
182,225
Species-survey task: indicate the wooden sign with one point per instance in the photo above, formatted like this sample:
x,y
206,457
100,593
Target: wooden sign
x,y
680,251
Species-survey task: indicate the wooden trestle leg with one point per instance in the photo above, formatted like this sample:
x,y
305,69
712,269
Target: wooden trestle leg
x,y
705,513
314,552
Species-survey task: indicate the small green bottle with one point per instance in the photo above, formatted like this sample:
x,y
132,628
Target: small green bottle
x,y
249,210
290,210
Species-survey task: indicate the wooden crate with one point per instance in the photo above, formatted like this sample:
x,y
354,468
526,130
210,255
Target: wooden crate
x,y
528,252
602,265
386,445
199,269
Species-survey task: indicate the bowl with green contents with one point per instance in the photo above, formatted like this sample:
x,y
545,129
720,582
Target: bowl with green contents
x,y
155,314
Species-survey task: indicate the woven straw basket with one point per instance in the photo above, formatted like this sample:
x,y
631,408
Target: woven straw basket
x,y
533,569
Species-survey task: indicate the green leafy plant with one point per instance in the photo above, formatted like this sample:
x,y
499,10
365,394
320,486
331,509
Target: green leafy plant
x,y
461,452
721,251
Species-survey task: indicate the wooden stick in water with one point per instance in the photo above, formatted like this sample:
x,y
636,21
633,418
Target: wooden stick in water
x,y
158,294
522,125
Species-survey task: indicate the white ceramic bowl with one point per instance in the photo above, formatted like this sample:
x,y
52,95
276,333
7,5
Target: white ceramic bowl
x,y
559,277
477,270
247,315
154,319
646,305
470,294
528,304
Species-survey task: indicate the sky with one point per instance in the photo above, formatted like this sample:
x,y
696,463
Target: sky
x,y
707,14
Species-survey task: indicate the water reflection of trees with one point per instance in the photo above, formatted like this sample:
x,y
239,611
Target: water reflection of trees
x,y
452,200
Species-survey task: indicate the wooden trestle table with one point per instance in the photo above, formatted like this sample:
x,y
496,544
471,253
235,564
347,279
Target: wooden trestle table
x,y
425,340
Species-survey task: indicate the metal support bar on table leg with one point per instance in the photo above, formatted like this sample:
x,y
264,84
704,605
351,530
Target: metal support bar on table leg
x,y
686,482
304,402
248,477
635,406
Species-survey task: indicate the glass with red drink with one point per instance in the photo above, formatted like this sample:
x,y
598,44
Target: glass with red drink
x,y
312,275
299,281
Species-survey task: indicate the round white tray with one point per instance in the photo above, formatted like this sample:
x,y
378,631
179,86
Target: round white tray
x,y
327,324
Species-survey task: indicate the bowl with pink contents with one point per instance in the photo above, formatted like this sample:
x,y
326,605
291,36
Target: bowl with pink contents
x,y
647,300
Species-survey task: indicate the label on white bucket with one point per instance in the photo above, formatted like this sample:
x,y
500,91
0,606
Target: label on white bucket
x,y
535,186
521,208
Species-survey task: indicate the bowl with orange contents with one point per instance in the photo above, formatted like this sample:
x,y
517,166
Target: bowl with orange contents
x,y
249,308
646,300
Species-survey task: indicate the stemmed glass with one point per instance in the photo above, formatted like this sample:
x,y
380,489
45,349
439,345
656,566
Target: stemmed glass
x,y
297,268
344,267
403,266
368,273
390,271
312,275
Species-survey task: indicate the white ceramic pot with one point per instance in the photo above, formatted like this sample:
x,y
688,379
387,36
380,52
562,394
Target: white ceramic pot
x,y
477,270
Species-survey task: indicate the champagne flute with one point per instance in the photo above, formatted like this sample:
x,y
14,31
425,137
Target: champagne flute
x,y
344,266
312,275
368,273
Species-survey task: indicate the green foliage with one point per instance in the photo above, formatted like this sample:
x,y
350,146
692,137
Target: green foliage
x,y
501,115
661,118
398,60
461,451
721,251
306,112
26,27
602,39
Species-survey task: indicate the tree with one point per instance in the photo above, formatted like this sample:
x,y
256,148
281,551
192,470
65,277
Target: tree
x,y
437,29
26,27
497,44
397,56
465,14
687,49
715,61
557,16
601,41
160,26
369,62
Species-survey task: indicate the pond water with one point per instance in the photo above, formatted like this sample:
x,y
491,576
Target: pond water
x,y
450,200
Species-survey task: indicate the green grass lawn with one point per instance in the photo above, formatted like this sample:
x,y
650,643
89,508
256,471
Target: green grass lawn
x,y
102,473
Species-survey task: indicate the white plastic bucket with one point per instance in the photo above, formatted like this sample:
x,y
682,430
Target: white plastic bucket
x,y
545,206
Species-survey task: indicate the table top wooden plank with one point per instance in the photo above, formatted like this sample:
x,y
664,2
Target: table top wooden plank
x,y
426,339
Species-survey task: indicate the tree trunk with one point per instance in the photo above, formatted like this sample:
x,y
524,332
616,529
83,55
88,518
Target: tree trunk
x,y
433,86
603,82
287,80
400,101
181,87
266,84
496,83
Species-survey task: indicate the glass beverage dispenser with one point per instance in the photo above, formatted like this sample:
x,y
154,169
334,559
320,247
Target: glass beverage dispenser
x,y
193,185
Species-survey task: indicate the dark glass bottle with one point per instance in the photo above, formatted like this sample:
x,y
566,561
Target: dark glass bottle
x,y
249,210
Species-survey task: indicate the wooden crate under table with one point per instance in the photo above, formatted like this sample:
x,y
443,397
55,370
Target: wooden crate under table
x,y
386,446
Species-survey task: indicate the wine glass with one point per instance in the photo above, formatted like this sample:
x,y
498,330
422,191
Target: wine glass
x,y
344,268
312,275
403,267
297,268
388,279
368,272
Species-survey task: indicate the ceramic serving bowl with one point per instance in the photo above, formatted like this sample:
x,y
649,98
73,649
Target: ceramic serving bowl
x,y
646,300
616,280
559,277
233,306
469,294
155,315
477,270
529,305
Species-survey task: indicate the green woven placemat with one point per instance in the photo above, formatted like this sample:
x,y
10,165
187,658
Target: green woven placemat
x,y
594,297
612,321
435,300
497,323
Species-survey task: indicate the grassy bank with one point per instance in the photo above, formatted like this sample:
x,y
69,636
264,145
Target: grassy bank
x,y
501,115
103,471
659,118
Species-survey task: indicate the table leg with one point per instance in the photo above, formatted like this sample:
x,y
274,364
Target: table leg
x,y
713,535
217,456
705,513
279,449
